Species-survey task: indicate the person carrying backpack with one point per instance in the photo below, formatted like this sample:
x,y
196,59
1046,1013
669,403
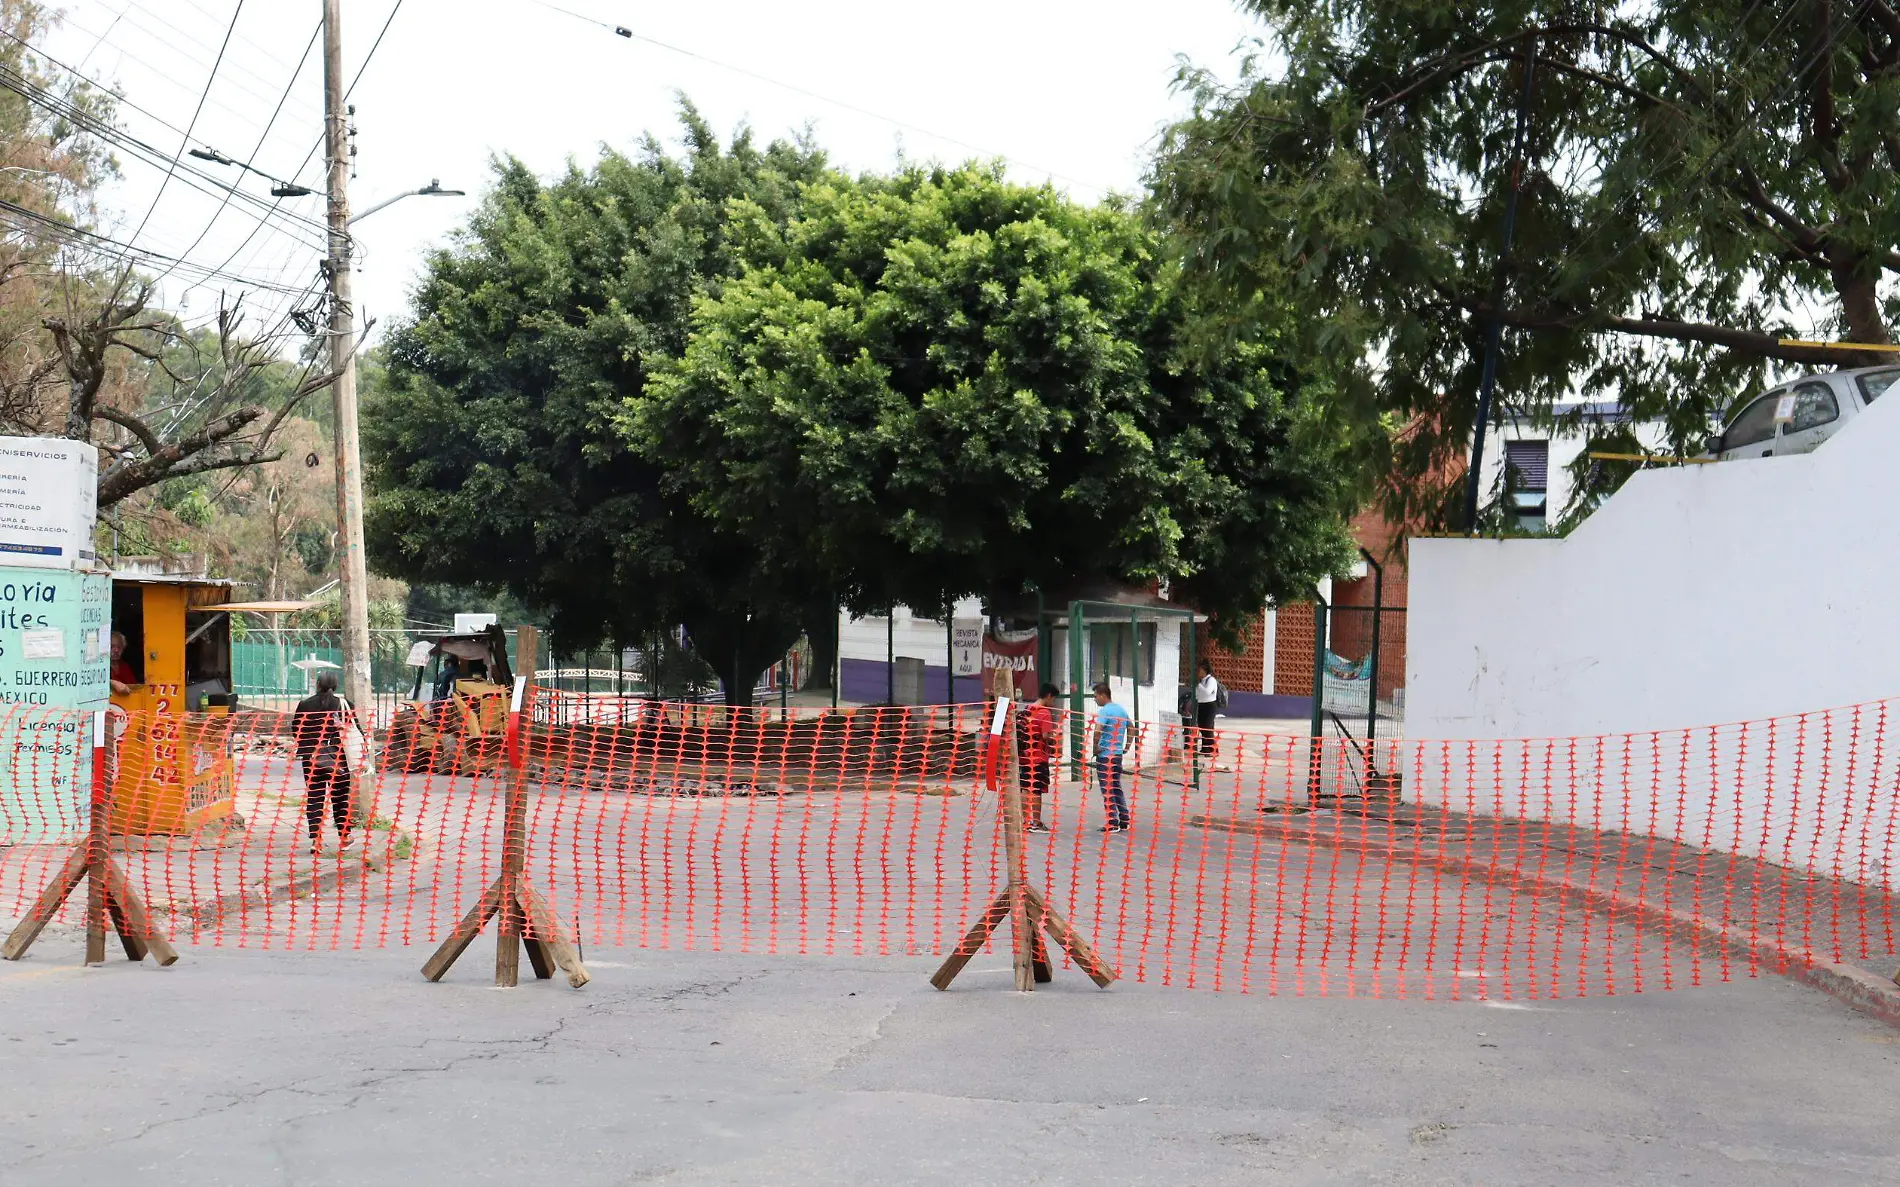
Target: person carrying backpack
x,y
1210,701
318,727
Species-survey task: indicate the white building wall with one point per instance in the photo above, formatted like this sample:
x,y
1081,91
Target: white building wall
x,y
1697,595
1157,704
1565,448
917,638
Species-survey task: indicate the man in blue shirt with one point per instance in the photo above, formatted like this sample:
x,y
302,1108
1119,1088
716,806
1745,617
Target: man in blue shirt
x,y
1114,730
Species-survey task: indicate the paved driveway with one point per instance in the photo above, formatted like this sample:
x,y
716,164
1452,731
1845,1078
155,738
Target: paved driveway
x,y
251,1068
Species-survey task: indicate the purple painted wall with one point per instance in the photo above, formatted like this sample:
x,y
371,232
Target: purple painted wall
x,y
868,682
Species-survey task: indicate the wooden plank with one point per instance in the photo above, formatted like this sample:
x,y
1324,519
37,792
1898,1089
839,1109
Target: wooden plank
x,y
134,947
132,910
1021,933
508,942
548,929
46,905
464,933
514,827
95,902
538,958
972,943
1072,942
1039,955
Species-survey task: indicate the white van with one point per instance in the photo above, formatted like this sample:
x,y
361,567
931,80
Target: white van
x,y
1796,417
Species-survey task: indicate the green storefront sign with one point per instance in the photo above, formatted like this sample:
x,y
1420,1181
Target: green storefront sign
x,y
55,660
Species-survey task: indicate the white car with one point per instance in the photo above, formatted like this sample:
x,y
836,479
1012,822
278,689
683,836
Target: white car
x,y
1796,417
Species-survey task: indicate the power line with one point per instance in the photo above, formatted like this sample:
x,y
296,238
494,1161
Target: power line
x,y
31,221
290,86
199,110
351,89
146,29
140,150
624,31
315,148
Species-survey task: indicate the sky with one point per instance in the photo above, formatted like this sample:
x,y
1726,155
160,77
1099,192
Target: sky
x,y
1069,91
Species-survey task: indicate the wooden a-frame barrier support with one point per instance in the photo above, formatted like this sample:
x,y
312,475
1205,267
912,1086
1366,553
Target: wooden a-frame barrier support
x,y
109,893
1022,904
525,917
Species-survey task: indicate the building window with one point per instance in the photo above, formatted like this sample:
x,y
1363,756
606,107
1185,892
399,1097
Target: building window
x,y
1528,480
1112,652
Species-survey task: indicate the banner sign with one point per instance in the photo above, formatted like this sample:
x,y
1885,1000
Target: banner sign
x,y
1016,654
49,501
55,658
1346,687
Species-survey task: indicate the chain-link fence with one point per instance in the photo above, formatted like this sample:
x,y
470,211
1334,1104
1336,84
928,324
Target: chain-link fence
x,y
275,667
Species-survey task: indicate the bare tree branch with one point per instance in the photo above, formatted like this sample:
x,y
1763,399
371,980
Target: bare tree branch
x,y
132,425
169,461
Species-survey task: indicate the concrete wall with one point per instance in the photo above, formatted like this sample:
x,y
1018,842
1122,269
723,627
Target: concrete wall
x,y
1697,595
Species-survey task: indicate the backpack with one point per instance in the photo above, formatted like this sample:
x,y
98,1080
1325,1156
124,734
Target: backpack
x,y
1220,696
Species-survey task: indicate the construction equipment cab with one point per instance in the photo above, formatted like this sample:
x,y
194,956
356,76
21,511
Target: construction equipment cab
x,y
455,720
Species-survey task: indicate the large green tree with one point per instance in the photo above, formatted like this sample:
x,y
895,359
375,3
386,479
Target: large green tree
x,y
490,446
1704,178
940,383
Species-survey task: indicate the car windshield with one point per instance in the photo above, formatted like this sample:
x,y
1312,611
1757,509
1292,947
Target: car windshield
x,y
1874,383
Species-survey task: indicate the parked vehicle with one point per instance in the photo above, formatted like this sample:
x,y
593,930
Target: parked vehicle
x,y
1796,417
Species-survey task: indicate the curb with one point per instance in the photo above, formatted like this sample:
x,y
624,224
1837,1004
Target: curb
x,y
1856,987
209,913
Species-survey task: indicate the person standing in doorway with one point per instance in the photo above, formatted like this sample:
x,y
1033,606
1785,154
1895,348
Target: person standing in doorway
x,y
1038,749
122,677
1114,729
318,728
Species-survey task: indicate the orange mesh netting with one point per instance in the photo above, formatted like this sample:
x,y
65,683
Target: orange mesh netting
x,y
1270,864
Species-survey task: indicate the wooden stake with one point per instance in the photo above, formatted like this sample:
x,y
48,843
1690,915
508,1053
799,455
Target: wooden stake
x,y
523,917
109,893
1022,936
1024,906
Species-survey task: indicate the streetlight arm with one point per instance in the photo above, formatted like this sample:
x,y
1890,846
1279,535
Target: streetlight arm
x,y
360,215
433,189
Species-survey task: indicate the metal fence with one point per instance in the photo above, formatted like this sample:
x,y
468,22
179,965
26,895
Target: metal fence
x,y
273,668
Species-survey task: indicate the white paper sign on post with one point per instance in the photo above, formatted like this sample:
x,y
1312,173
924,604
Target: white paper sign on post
x,y
49,501
966,646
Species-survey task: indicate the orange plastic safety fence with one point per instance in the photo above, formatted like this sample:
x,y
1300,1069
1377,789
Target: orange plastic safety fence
x,y
1252,862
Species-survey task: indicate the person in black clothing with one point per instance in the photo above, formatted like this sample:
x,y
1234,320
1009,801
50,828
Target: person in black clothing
x,y
446,678
318,727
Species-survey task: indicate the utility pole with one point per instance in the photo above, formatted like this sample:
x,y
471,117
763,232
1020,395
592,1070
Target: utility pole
x,y
353,573
1494,333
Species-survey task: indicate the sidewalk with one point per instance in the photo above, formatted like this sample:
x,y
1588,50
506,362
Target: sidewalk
x,y
1745,916
192,883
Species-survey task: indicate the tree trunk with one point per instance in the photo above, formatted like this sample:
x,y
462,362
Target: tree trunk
x,y
738,646
1860,302
821,628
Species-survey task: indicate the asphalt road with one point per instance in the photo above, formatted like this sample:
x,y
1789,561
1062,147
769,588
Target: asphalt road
x,y
258,1068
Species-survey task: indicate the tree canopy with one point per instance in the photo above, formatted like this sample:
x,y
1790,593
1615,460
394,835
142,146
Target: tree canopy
x,y
940,383
731,389
1703,180
490,445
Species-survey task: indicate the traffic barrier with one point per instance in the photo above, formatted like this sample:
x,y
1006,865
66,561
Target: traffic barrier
x,y
1496,869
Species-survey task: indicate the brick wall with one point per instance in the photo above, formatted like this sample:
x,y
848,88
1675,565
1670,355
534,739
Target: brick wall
x,y
1238,669
1293,651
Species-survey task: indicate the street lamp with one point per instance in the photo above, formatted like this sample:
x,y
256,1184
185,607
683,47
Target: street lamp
x,y
432,190
353,575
